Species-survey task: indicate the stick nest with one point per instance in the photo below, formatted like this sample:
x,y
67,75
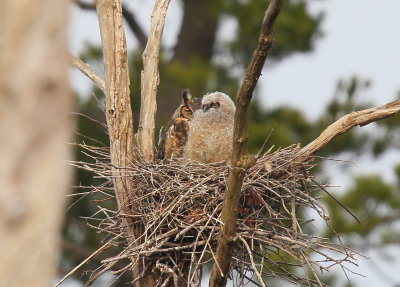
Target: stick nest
x,y
177,210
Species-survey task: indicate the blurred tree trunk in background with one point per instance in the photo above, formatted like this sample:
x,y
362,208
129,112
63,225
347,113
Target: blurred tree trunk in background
x,y
34,134
197,38
194,49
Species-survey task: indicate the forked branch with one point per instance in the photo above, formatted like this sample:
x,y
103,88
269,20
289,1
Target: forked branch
x,y
150,79
240,161
345,123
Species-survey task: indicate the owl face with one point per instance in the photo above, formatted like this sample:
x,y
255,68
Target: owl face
x,y
217,102
212,105
190,105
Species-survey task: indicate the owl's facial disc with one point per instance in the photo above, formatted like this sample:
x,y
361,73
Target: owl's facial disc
x,y
186,112
212,105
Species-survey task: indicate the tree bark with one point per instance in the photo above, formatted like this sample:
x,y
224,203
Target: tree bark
x,y
240,160
150,79
35,130
118,105
119,121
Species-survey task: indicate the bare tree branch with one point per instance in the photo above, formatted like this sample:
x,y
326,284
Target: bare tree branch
x,y
88,71
82,252
150,80
90,257
118,105
129,18
345,123
240,162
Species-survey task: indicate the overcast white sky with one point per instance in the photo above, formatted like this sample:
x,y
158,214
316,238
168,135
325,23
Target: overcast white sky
x,y
361,37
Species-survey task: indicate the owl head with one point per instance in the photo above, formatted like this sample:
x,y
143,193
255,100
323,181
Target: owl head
x,y
189,105
217,102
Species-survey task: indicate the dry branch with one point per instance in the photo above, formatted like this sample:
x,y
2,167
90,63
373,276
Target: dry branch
x,y
118,105
357,118
88,71
240,161
150,79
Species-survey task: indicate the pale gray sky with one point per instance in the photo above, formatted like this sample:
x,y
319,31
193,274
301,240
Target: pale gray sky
x,y
361,38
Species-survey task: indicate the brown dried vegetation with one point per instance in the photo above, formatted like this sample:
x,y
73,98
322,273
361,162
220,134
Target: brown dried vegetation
x,y
178,205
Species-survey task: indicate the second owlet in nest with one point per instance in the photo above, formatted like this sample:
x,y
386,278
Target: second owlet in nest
x,y
200,131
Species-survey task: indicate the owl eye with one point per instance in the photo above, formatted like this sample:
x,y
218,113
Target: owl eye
x,y
215,105
186,112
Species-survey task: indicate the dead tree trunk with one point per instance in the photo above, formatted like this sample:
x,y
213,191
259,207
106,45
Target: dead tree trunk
x,y
34,134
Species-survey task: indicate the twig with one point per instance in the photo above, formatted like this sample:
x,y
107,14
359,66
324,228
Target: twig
x,y
95,253
88,71
236,174
337,201
249,252
263,148
98,274
180,212
150,80
345,123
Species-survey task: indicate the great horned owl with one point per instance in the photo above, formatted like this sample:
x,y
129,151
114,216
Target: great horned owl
x,y
175,136
210,134
200,130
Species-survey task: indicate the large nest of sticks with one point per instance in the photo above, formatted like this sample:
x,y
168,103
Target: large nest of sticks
x,y
177,208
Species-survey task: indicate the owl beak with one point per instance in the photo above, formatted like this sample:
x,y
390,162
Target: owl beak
x,y
205,108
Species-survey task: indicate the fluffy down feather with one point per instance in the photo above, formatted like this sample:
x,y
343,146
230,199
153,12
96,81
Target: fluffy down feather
x,y
211,130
